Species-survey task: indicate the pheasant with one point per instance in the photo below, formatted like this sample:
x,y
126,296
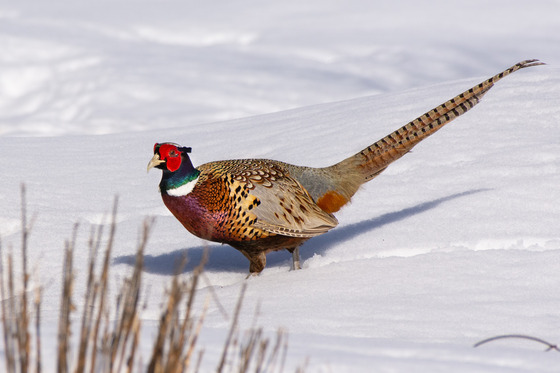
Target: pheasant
x,y
261,205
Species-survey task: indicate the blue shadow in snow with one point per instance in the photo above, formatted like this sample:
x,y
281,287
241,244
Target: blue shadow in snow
x,y
321,244
225,258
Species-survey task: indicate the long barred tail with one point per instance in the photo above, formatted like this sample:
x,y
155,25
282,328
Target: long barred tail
x,y
371,161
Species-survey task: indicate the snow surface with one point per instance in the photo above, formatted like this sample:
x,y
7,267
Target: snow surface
x,y
456,242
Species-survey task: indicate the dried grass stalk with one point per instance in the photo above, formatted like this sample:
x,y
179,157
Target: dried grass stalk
x,y
112,346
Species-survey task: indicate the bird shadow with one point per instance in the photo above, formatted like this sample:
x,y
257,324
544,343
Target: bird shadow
x,y
321,244
230,260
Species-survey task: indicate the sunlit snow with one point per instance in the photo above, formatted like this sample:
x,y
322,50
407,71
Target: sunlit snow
x,y
455,242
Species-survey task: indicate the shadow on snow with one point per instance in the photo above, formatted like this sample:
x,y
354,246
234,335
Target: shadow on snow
x,y
225,258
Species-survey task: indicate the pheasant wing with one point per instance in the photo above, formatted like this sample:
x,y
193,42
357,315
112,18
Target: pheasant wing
x,y
287,209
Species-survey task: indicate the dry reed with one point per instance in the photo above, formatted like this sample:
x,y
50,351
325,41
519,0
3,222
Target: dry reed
x,y
113,345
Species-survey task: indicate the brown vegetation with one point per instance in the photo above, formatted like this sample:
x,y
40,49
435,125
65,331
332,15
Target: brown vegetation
x,y
112,344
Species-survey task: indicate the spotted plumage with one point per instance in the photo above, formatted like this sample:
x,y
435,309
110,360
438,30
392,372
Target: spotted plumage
x,y
260,205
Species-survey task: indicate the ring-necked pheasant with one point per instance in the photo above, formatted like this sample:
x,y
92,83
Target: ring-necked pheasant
x,y
261,205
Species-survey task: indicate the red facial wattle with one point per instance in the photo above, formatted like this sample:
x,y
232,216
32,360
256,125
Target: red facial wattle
x,y
171,155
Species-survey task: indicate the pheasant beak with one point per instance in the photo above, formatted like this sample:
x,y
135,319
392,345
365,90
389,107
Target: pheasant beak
x,y
154,162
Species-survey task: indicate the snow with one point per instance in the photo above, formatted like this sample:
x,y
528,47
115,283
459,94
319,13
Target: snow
x,y
456,242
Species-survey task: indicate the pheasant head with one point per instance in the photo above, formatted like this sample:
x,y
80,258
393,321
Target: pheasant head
x,y
178,170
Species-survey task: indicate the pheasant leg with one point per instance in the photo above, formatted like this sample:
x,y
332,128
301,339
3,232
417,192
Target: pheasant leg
x,y
295,258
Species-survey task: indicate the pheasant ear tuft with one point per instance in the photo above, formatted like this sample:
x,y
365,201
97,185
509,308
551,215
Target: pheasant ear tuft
x,y
184,149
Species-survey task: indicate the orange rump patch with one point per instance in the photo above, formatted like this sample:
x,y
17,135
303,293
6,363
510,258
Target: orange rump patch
x,y
331,201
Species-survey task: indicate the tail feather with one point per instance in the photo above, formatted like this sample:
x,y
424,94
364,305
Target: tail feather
x,y
371,161
340,181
